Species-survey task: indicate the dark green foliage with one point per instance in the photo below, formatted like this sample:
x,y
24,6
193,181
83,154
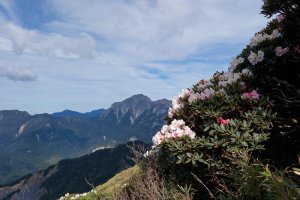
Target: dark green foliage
x,y
279,78
271,7
257,181
223,155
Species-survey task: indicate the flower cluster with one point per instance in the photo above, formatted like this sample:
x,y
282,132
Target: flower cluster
x,y
256,58
203,84
175,130
76,196
251,95
73,197
205,90
192,96
176,102
260,37
206,94
235,62
228,78
279,51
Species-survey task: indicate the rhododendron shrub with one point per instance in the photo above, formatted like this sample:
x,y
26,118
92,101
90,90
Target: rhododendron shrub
x,y
239,111
225,115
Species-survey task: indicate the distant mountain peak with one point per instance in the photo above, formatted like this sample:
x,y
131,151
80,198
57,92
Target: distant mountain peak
x,y
71,113
136,105
66,113
14,112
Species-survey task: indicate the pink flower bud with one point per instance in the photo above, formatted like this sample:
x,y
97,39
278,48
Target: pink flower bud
x,y
222,121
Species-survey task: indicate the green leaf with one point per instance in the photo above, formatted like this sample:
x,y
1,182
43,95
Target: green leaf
x,y
206,128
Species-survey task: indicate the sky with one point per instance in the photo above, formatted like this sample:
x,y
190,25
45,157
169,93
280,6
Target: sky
x,y
87,54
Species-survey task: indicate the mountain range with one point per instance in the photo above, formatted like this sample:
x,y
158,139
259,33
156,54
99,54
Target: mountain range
x,y
71,175
71,113
32,142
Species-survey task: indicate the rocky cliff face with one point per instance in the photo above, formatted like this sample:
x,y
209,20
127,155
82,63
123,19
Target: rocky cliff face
x,y
135,105
136,116
10,123
27,188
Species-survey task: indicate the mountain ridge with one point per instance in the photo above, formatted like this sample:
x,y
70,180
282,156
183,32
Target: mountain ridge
x,y
50,183
32,142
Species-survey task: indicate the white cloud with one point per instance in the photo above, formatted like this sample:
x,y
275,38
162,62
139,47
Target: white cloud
x,y
17,74
21,40
161,29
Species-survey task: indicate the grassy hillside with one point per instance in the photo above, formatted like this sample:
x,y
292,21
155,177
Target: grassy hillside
x,y
109,188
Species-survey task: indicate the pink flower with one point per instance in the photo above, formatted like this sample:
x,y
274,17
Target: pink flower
x,y
202,96
280,17
251,95
175,135
279,51
297,49
222,121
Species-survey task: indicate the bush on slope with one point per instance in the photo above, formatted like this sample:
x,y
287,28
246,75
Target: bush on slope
x,y
218,129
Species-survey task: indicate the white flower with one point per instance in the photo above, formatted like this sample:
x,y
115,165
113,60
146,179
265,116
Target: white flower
x,y
221,91
209,92
194,97
255,58
189,132
260,37
252,58
247,72
275,34
235,62
175,130
204,85
176,103
260,56
175,124
171,113
165,129
158,138
228,78
184,93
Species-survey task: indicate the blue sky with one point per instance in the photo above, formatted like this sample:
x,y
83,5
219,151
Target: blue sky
x,y
86,54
